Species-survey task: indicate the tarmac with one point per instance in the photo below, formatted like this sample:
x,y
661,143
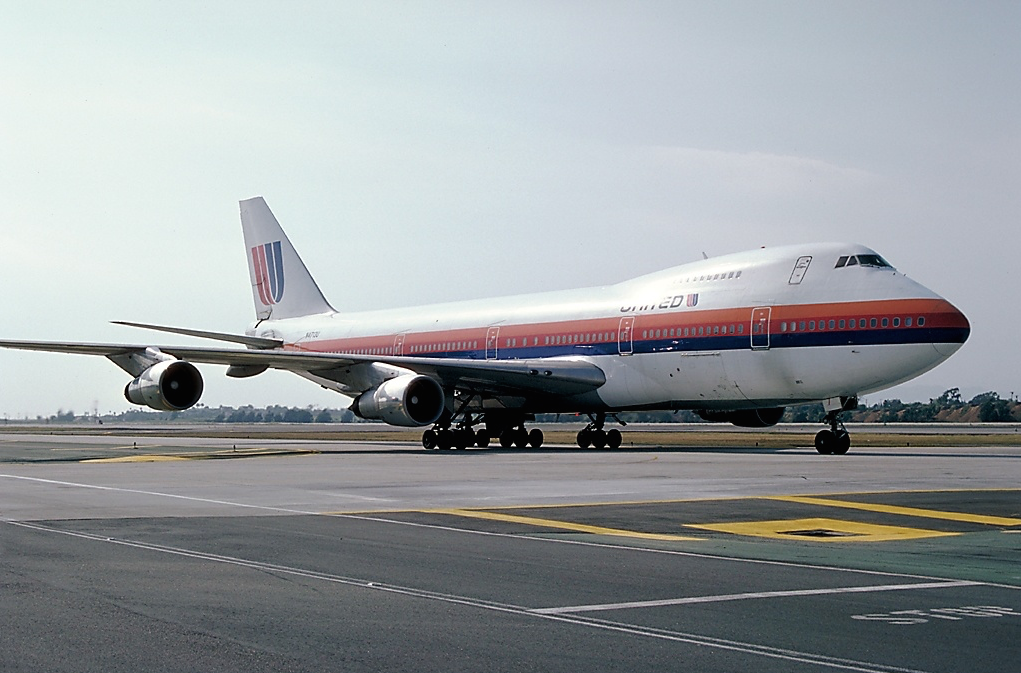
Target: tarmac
x,y
168,553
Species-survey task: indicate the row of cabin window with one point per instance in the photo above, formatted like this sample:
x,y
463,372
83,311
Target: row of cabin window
x,y
713,276
562,339
369,351
862,323
446,346
701,330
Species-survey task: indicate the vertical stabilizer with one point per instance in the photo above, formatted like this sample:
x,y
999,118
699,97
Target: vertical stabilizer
x,y
281,285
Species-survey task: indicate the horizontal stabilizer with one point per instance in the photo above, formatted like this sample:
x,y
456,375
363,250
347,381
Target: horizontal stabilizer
x,y
251,341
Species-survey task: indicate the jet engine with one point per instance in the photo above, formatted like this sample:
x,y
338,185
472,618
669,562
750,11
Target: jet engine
x,y
745,418
411,400
170,385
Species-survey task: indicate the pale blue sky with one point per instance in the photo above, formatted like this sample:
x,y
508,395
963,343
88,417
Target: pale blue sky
x,y
428,151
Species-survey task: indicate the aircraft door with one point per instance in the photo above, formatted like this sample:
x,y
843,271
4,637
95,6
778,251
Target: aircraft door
x,y
399,344
625,337
760,328
492,342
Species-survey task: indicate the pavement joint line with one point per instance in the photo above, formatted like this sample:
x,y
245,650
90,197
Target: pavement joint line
x,y
562,525
482,604
722,598
680,501
899,510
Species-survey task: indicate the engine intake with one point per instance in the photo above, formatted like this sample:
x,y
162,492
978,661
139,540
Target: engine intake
x,y
171,385
411,400
745,418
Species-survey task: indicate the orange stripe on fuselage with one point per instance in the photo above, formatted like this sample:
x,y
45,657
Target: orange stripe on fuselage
x,y
938,313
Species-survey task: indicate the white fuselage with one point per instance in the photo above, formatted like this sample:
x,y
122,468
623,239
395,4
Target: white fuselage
x,y
763,328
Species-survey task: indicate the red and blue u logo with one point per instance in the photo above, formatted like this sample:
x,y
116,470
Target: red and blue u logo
x,y
268,262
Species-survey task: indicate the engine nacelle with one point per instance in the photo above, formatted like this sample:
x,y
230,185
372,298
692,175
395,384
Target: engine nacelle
x,y
171,385
411,400
745,418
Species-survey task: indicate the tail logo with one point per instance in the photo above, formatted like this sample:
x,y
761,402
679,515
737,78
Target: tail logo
x,y
268,262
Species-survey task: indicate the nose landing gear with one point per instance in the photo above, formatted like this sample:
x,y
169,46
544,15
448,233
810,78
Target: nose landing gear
x,y
836,440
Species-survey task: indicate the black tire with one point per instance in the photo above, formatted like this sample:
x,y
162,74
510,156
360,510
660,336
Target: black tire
x,y
535,438
825,442
584,438
429,440
614,439
507,439
520,438
482,439
842,443
444,440
598,439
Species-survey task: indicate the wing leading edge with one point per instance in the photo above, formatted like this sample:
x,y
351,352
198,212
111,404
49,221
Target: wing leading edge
x,y
509,377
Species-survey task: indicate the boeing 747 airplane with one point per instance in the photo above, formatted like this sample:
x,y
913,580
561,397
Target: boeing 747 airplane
x,y
736,338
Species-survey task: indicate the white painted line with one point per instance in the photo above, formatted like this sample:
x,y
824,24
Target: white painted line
x,y
158,494
691,600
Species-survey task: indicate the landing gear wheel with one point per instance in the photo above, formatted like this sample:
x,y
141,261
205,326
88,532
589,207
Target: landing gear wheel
x,y
520,438
444,440
463,438
826,442
507,439
584,438
535,438
482,439
842,442
614,439
836,440
598,439
429,440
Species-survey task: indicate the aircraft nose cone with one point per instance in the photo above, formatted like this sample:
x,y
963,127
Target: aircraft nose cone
x,y
955,330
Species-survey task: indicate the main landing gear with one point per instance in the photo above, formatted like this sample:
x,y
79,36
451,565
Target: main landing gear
x,y
508,431
593,435
834,441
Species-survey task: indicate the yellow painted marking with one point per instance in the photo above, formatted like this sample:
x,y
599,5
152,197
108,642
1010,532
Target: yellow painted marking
x,y
903,511
151,458
852,531
226,453
563,525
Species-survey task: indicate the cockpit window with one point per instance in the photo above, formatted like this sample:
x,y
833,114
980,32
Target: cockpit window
x,y
863,260
872,260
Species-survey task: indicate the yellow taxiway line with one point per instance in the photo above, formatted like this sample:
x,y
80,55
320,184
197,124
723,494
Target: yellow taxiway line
x,y
903,511
562,525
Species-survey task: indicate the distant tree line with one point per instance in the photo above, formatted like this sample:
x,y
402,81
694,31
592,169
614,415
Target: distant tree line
x,y
949,407
203,414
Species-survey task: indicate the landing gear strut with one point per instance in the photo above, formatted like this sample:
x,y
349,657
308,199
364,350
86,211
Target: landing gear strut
x,y
836,440
593,435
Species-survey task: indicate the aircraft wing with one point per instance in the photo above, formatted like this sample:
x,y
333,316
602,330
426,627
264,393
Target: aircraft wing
x,y
543,376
